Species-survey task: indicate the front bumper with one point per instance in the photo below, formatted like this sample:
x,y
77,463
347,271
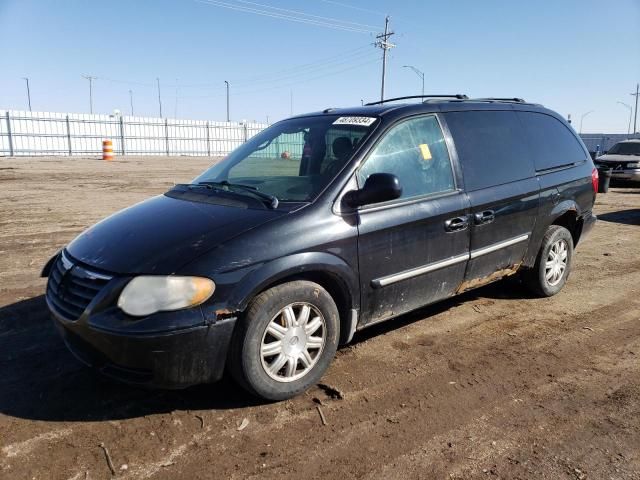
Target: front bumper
x,y
168,359
628,174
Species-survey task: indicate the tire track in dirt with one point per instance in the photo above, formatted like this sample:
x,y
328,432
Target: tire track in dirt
x,y
451,402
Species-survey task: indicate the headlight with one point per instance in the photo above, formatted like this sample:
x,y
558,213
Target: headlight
x,y
633,165
145,295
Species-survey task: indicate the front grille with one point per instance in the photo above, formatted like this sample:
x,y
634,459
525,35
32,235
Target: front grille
x,y
71,287
615,166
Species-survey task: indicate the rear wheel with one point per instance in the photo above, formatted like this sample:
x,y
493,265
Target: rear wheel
x,y
285,341
553,263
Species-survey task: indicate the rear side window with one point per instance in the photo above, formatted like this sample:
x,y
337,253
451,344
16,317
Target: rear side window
x,y
551,143
416,153
491,147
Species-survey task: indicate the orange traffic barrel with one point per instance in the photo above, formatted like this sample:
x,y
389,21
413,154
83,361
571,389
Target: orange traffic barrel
x,y
107,150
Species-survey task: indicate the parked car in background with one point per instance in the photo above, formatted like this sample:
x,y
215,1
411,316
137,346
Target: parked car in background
x,y
624,160
319,226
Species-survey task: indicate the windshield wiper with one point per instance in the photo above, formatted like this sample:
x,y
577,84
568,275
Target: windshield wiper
x,y
226,185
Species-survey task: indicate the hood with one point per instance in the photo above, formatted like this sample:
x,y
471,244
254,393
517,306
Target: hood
x,y
618,158
161,234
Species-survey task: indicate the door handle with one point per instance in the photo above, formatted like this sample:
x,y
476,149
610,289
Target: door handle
x,y
456,224
487,216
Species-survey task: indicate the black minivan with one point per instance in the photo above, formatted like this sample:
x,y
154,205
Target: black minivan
x,y
319,226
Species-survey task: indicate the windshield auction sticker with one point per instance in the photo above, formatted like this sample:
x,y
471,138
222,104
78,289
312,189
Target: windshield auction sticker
x,y
364,121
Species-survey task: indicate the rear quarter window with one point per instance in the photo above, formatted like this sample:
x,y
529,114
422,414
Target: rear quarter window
x,y
491,147
551,143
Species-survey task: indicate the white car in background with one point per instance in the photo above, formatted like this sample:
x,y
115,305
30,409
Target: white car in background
x,y
624,159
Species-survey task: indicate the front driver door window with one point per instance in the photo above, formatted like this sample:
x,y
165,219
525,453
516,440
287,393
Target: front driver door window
x,y
416,153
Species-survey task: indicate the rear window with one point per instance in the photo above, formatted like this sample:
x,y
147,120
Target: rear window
x,y
491,147
625,148
551,143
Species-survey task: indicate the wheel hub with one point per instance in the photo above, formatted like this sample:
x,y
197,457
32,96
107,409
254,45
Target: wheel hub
x,y
556,263
293,341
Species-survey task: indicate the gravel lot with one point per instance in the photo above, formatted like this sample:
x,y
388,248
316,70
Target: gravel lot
x,y
492,384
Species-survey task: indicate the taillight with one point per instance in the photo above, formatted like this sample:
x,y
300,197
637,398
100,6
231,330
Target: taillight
x,y
594,180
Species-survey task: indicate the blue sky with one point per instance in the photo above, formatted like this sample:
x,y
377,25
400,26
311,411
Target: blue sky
x,y
571,55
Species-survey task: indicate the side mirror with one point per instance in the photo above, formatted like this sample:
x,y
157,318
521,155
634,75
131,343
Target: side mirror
x,y
379,187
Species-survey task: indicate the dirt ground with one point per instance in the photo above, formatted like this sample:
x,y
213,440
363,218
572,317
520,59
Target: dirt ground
x,y
492,384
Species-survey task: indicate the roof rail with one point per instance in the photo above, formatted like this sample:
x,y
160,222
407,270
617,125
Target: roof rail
x,y
498,99
458,96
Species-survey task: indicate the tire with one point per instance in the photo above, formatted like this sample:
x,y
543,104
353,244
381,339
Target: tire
x,y
541,280
273,330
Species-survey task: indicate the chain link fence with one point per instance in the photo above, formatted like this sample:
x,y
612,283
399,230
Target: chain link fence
x,y
42,133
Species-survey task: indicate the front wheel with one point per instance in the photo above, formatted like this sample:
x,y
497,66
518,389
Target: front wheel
x,y
285,341
553,263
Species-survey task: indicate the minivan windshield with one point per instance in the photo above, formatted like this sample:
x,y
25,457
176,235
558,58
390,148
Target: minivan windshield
x,y
293,160
625,148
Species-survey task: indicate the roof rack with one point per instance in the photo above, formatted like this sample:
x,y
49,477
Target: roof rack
x,y
458,96
498,99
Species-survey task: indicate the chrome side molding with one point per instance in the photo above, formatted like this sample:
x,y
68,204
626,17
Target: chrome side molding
x,y
431,267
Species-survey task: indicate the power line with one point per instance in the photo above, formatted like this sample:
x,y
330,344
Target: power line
x,y
129,82
274,76
273,14
249,92
295,79
353,7
315,65
326,62
297,12
345,61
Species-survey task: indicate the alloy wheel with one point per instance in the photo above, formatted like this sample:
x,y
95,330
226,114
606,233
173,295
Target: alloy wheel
x,y
293,342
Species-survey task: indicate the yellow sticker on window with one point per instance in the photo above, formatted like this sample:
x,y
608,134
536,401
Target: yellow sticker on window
x,y
424,150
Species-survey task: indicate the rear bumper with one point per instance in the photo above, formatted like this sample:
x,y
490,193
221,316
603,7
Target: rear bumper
x,y
171,359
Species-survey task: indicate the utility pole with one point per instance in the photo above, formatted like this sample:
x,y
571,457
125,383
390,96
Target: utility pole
x,y
159,99
385,45
420,74
582,118
227,84
91,79
131,101
630,108
26,79
635,118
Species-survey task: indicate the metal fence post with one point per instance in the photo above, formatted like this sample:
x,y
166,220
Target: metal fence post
x,y
122,149
208,144
166,134
68,134
246,133
9,134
